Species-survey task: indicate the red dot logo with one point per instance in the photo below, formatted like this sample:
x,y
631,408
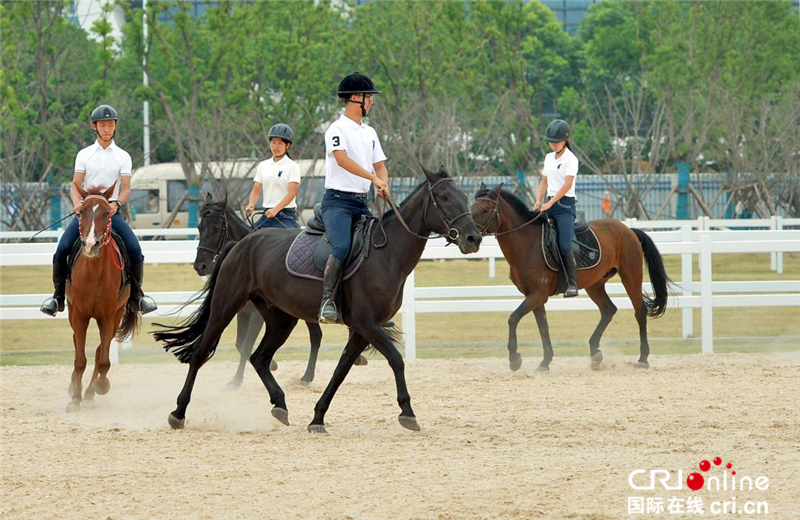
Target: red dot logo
x,y
733,473
717,461
695,481
728,465
705,465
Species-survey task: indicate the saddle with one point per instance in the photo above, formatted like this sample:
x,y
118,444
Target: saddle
x,y
310,249
75,252
585,247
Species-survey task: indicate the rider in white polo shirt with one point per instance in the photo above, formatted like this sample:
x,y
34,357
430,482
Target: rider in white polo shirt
x,y
101,165
354,160
278,178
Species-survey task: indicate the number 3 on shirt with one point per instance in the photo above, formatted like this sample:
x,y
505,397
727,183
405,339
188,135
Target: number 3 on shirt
x,y
335,140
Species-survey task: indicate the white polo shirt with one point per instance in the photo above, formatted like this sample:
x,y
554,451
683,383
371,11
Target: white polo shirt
x,y
361,143
557,171
103,167
275,178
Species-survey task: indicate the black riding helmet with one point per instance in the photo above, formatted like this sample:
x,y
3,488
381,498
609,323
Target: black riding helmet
x,y
281,130
557,130
104,112
356,83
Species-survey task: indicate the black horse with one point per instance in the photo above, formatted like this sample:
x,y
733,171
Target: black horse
x,y
371,297
219,224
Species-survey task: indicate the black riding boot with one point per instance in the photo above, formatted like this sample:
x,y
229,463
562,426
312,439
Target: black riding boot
x,y
142,303
569,267
53,305
328,313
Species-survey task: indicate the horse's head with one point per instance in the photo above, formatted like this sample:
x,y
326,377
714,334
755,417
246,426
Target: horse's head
x,y
486,209
450,216
94,218
214,233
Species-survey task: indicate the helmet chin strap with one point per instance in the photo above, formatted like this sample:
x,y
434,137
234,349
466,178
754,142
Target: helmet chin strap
x,y
361,104
112,135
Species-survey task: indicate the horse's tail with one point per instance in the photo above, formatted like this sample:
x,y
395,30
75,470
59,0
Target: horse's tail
x,y
658,276
184,338
130,322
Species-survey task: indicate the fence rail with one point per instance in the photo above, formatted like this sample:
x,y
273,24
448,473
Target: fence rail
x,y
685,241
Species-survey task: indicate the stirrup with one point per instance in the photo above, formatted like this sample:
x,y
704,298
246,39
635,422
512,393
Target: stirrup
x,y
147,304
325,317
50,307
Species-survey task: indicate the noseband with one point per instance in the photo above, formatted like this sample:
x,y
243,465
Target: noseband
x,y
223,238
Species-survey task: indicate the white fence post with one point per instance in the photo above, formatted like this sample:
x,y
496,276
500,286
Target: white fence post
x,y
773,257
706,291
492,268
779,227
687,261
409,318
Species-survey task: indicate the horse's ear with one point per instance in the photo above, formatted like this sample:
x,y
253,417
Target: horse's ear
x,y
483,187
225,200
80,190
498,189
209,198
429,174
442,171
110,191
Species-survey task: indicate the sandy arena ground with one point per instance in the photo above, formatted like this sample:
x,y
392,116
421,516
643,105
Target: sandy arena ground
x,y
494,444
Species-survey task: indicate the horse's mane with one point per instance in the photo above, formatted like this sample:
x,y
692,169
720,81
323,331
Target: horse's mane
x,y
515,202
220,208
391,214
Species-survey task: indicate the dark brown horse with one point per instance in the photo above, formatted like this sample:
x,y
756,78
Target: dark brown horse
x,y
252,270
519,234
219,224
96,291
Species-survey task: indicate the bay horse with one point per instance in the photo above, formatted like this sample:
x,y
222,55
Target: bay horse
x,y
371,297
623,250
96,291
218,225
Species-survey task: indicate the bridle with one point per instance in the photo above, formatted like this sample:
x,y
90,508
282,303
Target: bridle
x,y
496,215
452,233
223,238
106,237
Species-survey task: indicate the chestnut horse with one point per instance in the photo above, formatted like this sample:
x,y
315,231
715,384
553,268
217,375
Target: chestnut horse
x,y
96,291
623,250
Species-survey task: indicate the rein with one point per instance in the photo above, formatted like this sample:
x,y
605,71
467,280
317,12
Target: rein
x,y
452,233
496,214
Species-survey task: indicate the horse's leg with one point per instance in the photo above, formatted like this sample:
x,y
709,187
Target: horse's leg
x,y
315,335
108,326
599,296
279,326
632,280
544,331
355,346
223,310
79,326
530,302
243,346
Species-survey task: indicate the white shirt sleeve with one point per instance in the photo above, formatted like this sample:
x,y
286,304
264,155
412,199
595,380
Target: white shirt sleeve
x,y
295,175
377,151
80,162
126,164
571,167
334,140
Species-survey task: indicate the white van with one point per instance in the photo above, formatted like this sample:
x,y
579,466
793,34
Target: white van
x,y
158,188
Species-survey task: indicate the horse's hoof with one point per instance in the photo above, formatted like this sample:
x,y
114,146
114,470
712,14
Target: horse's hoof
x,y
409,423
514,363
273,365
543,368
597,359
304,382
102,386
317,428
361,361
233,385
642,364
175,423
73,407
281,414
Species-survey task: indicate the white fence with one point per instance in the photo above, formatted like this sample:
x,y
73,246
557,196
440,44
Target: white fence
x,y
685,241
